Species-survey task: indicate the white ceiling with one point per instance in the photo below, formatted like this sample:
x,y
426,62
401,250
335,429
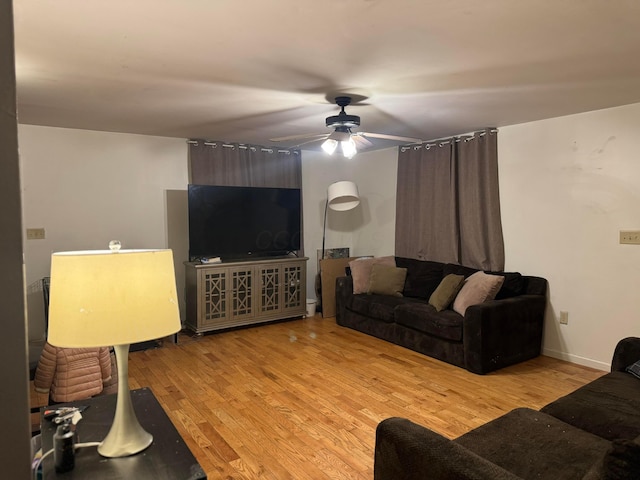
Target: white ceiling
x,y
250,70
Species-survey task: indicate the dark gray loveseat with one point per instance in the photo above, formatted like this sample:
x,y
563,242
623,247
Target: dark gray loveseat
x,y
491,335
592,433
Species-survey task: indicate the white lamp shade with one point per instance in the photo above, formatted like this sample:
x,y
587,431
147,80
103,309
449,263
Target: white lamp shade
x,y
343,195
103,298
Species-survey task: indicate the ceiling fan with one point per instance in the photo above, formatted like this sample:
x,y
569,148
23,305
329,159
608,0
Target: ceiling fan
x,y
342,136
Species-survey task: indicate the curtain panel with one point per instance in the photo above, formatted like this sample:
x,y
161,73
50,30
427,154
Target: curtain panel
x,y
448,202
237,165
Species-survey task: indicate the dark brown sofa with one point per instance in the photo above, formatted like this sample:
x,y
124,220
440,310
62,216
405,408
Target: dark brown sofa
x,y
592,433
491,335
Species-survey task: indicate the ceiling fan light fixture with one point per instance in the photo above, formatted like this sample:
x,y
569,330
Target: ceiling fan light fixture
x,y
330,145
342,120
349,148
340,134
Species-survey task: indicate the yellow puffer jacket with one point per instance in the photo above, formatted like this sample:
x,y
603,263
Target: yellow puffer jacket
x,y
69,374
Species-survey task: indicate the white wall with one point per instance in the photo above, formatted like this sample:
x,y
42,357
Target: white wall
x,y
86,188
567,186
369,229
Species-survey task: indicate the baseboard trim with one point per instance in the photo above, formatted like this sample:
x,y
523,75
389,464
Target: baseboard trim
x,y
587,362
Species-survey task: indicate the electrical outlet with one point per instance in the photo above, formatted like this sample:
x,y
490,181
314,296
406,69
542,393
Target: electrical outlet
x,y
630,237
564,318
35,233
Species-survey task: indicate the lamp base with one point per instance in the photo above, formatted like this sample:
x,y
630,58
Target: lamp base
x,y
126,437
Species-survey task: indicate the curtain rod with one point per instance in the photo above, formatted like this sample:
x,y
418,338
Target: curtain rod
x,y
441,142
244,147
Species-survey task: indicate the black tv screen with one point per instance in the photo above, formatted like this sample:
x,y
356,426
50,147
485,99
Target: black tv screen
x,y
240,222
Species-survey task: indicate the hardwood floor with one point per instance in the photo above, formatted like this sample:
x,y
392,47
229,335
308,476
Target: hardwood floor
x,y
301,399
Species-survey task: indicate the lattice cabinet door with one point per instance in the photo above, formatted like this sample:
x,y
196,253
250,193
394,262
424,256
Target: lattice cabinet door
x,y
242,296
294,278
214,295
270,294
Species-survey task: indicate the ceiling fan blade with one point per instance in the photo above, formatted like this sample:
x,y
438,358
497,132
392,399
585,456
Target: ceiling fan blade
x,y
296,137
361,142
311,141
395,138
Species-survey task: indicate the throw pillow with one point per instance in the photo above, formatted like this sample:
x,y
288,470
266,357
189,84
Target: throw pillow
x,y
387,280
444,294
634,369
361,271
478,288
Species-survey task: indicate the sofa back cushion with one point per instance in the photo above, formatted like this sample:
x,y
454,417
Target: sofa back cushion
x,y
514,283
423,276
458,270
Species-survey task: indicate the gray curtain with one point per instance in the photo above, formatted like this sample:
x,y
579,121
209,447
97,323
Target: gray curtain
x,y
448,202
236,165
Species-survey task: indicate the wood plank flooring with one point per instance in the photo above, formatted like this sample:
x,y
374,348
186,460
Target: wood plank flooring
x,y
301,399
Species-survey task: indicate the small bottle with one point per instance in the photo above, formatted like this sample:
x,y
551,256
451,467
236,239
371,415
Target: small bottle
x,y
63,449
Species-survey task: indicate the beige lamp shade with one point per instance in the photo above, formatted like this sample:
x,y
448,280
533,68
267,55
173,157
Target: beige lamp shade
x,y
103,298
343,196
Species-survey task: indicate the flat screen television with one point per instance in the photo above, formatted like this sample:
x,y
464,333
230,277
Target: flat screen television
x,y
243,222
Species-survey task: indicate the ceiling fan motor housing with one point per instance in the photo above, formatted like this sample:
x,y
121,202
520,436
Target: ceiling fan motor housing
x,y
342,119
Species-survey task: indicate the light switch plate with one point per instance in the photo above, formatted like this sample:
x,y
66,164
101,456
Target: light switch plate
x,y
35,233
630,237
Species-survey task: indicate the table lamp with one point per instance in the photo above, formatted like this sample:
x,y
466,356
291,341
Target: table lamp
x,y
114,297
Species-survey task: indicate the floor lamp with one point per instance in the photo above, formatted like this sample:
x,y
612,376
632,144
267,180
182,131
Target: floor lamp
x,y
341,196
114,297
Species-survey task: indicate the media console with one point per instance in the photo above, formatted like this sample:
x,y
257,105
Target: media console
x,y
232,294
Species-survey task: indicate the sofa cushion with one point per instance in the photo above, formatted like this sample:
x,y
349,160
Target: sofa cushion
x,y
423,276
458,270
361,271
512,286
531,445
386,280
424,318
449,287
609,407
379,307
621,462
514,283
478,288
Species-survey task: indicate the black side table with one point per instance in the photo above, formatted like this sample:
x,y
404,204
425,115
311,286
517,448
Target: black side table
x,y
168,457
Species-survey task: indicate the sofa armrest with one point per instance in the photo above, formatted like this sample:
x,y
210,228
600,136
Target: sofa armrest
x,y
626,353
344,290
503,332
407,451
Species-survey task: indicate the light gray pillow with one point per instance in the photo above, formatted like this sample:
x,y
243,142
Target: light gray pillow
x,y
479,287
361,271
